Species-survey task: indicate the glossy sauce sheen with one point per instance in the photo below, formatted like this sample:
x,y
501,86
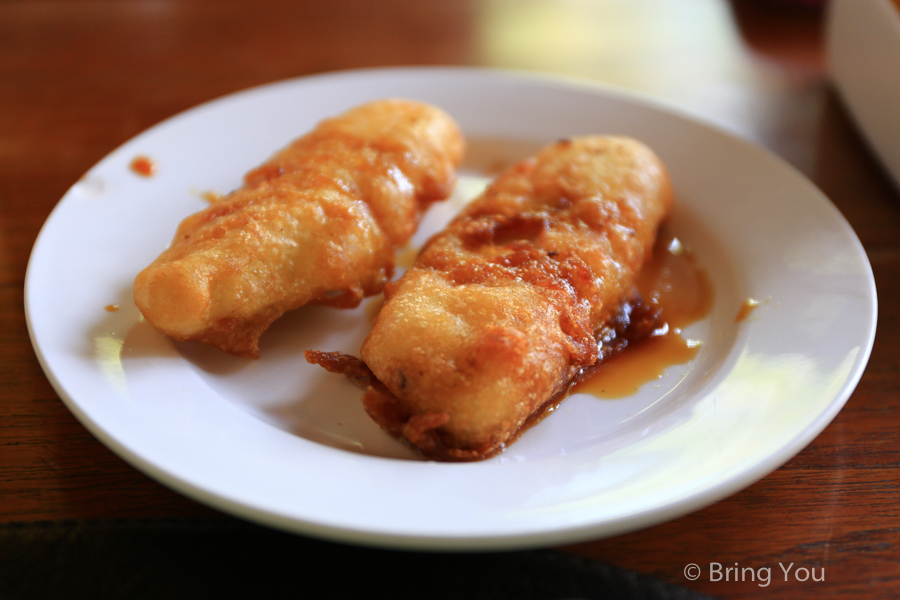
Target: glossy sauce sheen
x,y
674,291
673,281
746,308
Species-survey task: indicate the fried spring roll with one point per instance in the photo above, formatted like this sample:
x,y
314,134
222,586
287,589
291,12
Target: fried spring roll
x,y
503,307
319,222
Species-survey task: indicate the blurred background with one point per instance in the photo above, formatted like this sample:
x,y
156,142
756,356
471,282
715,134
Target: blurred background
x,y
80,77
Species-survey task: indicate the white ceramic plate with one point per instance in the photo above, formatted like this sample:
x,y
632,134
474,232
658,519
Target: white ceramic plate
x,y
283,443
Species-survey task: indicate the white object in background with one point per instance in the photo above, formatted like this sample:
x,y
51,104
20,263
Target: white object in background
x,y
863,38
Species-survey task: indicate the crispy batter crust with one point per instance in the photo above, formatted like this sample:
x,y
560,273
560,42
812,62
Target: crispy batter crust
x,y
319,222
503,307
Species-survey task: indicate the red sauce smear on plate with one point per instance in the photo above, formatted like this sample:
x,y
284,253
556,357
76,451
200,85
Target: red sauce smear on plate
x,y
143,166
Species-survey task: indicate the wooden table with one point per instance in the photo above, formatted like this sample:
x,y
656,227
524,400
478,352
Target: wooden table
x,y
78,78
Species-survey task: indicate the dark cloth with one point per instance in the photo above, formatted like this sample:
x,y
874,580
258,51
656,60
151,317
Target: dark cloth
x,y
228,558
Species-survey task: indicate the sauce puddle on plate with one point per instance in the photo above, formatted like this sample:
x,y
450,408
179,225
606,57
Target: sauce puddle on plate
x,y
673,281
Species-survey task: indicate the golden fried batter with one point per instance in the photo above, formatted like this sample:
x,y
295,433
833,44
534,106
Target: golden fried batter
x,y
319,222
502,308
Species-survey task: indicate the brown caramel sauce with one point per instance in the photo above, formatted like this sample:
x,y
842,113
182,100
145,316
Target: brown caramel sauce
x,y
671,281
674,292
624,374
112,307
143,166
681,288
746,308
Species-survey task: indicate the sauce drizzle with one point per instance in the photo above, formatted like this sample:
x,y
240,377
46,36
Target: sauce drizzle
x,y
673,281
143,166
746,308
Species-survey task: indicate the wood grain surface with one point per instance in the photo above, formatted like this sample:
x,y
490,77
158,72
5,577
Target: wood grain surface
x,y
80,77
